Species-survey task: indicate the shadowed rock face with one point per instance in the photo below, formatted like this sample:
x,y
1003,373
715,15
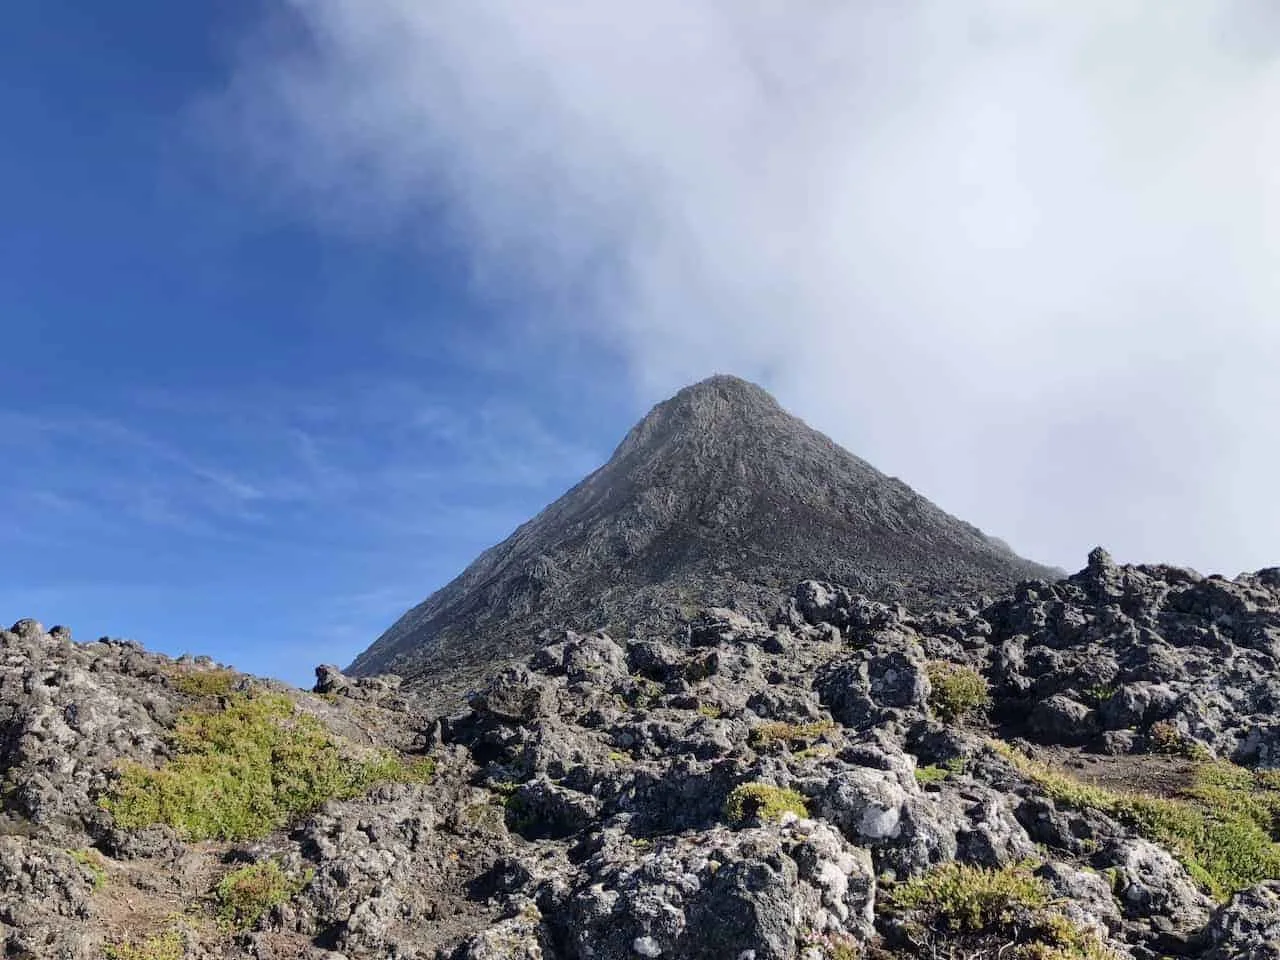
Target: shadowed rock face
x,y
718,496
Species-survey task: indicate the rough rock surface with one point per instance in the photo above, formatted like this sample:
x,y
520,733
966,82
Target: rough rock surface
x,y
1108,655
587,804
718,496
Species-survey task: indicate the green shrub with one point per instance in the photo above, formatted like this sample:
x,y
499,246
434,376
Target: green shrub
x,y
1221,827
762,800
1099,694
956,691
980,912
93,862
931,774
775,734
1164,737
166,946
710,711
246,895
205,683
246,769
966,899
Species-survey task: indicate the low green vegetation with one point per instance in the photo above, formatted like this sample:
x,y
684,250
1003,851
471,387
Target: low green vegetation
x,y
1099,694
956,692
962,910
936,773
1222,826
833,946
779,734
246,895
931,774
964,899
643,694
94,863
166,946
1164,737
710,711
762,800
215,682
246,768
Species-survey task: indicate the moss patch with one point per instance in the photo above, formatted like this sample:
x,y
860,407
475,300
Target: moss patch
x,y
1164,737
1222,827
936,773
779,734
246,895
961,910
931,774
166,946
956,691
247,768
764,801
215,682
94,863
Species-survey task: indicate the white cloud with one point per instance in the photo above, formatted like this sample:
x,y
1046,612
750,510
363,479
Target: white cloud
x,y
1020,254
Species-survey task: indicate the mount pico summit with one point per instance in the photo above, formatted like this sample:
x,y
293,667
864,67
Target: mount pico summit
x,y
717,497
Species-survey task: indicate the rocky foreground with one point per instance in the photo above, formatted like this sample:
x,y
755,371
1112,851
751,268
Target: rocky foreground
x,y
1081,769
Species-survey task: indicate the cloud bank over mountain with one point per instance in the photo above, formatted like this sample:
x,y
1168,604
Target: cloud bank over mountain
x,y
1020,254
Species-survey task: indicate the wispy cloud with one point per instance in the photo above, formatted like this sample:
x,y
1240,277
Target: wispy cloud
x,y
396,458
1021,254
315,523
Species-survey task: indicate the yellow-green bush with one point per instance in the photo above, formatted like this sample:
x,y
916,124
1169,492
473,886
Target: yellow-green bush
x,y
245,895
936,773
215,682
771,734
1164,737
931,774
956,691
93,862
1007,912
1221,827
247,768
762,800
166,946
966,899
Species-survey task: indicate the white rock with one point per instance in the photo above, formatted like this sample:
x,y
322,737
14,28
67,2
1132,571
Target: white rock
x,y
646,947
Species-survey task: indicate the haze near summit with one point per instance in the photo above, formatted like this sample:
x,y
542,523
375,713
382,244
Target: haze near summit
x,y
1021,255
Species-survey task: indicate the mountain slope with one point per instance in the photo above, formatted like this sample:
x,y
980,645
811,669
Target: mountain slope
x,y
717,496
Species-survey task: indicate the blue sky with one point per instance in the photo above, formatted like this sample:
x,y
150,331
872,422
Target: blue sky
x,y
226,431
304,304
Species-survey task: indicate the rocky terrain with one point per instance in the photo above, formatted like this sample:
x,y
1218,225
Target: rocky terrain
x,y
718,497
1074,770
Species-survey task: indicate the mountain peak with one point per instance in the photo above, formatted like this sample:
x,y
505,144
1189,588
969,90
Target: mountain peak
x,y
711,407
717,497
725,387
